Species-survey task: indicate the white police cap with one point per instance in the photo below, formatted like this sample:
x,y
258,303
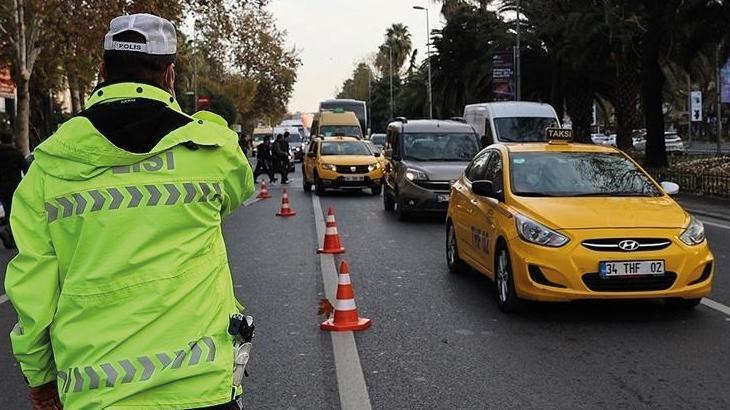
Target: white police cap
x,y
159,34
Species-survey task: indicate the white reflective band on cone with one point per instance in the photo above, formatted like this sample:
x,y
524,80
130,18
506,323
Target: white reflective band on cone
x,y
330,218
330,231
345,279
347,304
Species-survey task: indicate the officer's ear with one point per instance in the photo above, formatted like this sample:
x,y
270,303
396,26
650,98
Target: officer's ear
x,y
169,79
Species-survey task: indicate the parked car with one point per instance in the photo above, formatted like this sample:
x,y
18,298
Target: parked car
x,y
672,142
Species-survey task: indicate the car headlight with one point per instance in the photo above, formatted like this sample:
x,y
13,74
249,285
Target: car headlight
x,y
416,175
539,234
695,232
373,167
329,167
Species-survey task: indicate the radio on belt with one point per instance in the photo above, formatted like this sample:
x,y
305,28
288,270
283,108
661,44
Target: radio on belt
x,y
241,326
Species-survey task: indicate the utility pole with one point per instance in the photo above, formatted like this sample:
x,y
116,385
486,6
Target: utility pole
x,y
518,57
390,64
428,60
370,100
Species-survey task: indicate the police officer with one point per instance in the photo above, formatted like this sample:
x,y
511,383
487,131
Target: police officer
x,y
121,285
281,156
263,160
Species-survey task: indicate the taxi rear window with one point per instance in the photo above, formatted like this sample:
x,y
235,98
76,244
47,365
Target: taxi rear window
x,y
575,174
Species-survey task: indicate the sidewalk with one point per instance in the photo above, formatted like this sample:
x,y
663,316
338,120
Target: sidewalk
x,y
705,206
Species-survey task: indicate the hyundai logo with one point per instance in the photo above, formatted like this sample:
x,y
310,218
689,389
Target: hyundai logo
x,y
628,245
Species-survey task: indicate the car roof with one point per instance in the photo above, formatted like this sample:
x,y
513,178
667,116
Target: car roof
x,y
339,139
506,109
547,147
263,130
447,126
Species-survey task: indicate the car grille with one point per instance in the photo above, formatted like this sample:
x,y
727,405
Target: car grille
x,y
596,283
434,185
348,169
612,244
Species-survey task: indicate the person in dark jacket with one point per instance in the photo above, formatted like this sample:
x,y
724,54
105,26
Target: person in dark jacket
x,y
281,156
12,167
263,161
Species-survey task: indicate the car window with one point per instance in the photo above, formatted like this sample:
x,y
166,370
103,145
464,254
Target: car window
x,y
493,171
344,148
565,174
522,129
340,130
478,166
440,146
313,147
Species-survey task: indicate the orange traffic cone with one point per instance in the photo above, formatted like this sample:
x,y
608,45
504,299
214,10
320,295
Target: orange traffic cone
x,y
264,194
346,317
285,210
332,243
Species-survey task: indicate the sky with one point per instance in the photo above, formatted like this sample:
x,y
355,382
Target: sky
x,y
332,36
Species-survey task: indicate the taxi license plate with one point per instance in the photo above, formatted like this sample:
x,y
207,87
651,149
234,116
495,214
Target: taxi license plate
x,y
630,268
442,197
357,178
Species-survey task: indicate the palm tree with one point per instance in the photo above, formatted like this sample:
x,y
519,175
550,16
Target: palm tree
x,y
398,39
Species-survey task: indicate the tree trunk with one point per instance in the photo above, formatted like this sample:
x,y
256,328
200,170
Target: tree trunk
x,y
652,83
626,101
73,86
22,122
579,102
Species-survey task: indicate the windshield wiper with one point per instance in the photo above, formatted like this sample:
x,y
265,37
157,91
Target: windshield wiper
x,y
617,193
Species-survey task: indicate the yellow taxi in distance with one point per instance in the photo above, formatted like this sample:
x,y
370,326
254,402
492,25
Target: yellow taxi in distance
x,y
341,162
558,221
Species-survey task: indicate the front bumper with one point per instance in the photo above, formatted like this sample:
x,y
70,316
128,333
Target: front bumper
x,y
417,198
571,272
330,179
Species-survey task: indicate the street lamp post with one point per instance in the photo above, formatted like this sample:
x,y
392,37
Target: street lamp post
x,y
428,60
518,57
390,65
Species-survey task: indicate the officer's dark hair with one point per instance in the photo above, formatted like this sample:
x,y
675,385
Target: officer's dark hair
x,y
286,134
130,65
279,136
6,137
267,139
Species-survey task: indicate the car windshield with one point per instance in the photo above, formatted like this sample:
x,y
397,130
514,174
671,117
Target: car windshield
x,y
260,137
373,147
344,148
572,174
523,129
295,138
440,147
340,130
378,139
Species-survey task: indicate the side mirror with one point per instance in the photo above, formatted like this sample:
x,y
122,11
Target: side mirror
x,y
311,155
377,154
670,188
486,189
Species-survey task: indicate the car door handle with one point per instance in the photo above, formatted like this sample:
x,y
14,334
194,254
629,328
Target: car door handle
x,y
474,202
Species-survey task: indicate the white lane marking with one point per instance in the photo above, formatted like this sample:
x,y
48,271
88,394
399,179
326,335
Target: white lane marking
x,y
716,305
350,379
715,224
3,299
251,202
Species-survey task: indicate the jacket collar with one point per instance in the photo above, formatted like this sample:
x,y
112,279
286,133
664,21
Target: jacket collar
x,y
118,91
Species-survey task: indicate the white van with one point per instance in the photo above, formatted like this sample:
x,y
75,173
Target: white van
x,y
511,121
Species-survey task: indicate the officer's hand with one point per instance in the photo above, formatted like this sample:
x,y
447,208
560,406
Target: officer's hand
x,y
45,397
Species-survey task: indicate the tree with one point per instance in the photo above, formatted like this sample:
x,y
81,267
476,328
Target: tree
x,y
397,46
358,86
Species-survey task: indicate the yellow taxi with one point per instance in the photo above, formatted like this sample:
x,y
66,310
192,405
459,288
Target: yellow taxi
x,y
341,163
558,221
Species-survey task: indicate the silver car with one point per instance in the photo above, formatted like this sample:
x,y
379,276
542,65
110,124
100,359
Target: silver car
x,y
424,158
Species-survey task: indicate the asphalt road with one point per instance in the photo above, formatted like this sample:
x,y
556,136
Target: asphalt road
x,y
439,340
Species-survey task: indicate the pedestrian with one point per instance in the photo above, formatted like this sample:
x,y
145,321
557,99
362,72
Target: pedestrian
x,y
281,156
12,167
264,161
122,288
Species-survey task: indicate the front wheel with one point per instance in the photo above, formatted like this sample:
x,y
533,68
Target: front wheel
x,y
456,265
507,298
388,202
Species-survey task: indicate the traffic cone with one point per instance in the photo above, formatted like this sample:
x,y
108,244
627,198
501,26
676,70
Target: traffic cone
x,y
346,317
332,243
264,194
285,210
